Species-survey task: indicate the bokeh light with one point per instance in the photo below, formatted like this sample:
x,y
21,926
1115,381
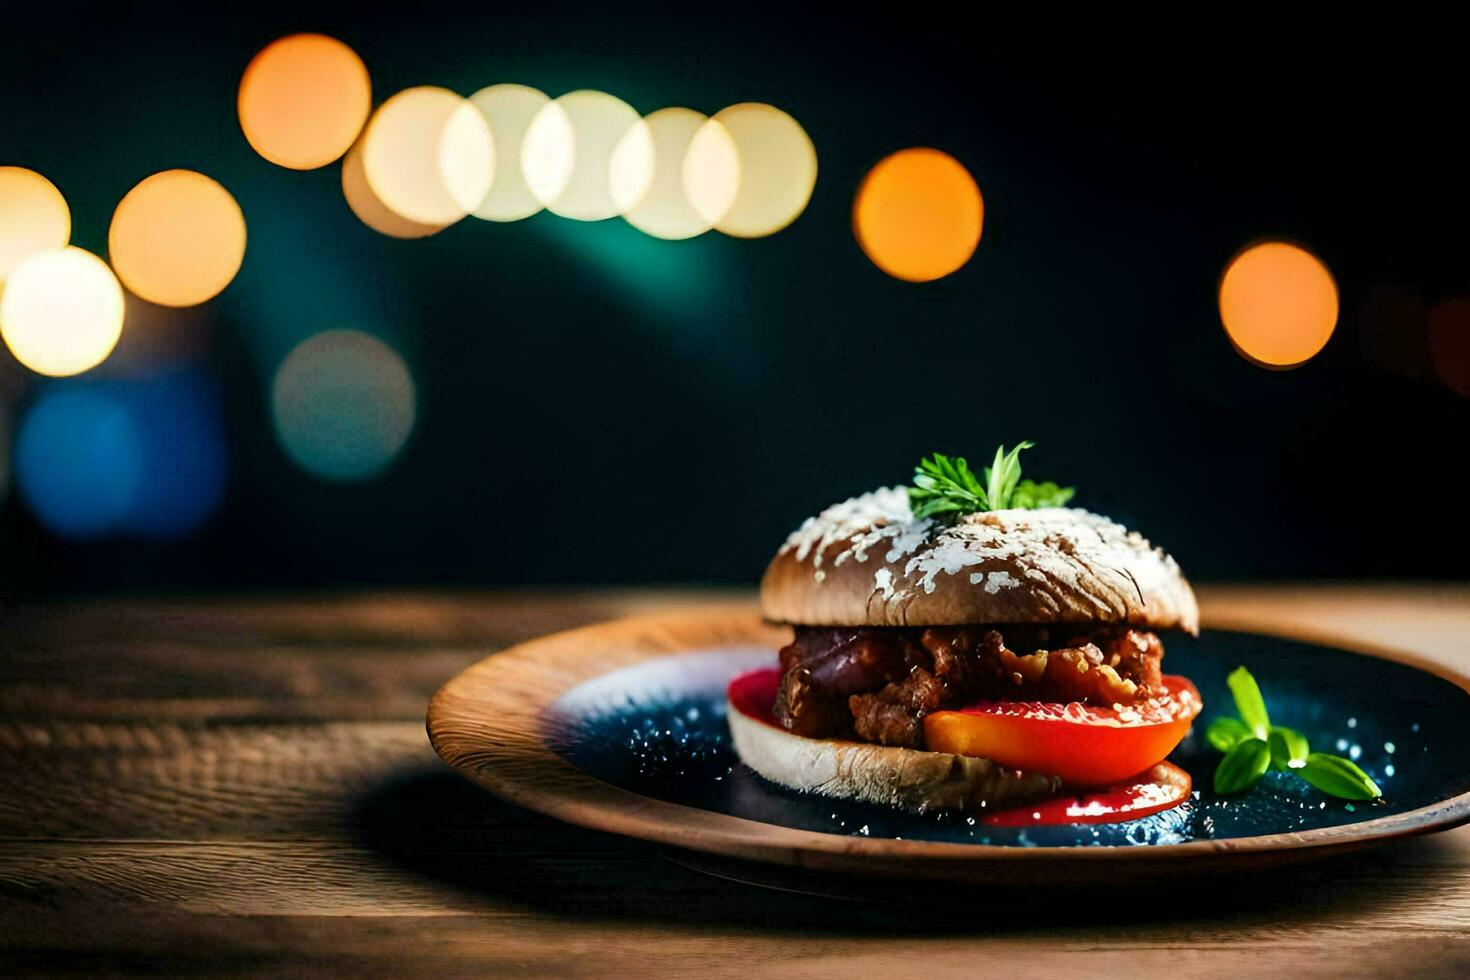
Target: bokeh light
x,y
656,203
1278,304
344,405
711,171
918,215
177,239
548,152
371,211
33,217
1449,343
778,169
428,155
143,457
303,100
508,111
78,461
181,435
62,311
568,150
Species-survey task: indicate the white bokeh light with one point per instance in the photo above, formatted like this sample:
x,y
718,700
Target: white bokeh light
x,y
777,167
657,203
508,111
61,312
369,209
567,153
428,155
711,172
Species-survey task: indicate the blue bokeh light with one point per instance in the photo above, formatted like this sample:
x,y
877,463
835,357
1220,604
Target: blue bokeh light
x,y
185,461
142,457
79,460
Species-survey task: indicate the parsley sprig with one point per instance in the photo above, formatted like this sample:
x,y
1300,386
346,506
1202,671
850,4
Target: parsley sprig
x,y
947,485
1253,745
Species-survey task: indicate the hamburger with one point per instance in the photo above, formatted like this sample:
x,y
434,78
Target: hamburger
x,y
971,643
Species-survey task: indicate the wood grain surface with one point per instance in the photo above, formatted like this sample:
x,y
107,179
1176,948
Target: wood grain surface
x,y
245,785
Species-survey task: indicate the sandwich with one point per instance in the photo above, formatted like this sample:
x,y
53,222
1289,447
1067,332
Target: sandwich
x,y
971,643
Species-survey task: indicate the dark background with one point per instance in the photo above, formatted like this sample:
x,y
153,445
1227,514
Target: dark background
x,y
595,405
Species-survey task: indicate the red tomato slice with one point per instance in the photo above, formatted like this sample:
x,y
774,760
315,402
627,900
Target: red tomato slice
x,y
753,693
1084,745
1163,787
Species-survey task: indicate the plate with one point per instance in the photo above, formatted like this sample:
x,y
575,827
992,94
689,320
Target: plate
x,y
621,727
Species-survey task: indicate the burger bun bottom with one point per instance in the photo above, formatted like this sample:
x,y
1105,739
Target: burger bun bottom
x,y
907,778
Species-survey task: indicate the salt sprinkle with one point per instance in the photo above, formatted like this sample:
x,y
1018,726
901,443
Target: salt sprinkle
x,y
1096,557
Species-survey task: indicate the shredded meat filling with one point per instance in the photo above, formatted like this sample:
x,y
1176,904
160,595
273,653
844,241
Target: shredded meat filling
x,y
877,684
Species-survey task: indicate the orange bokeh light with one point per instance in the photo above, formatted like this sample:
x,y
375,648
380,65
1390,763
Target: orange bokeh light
x,y
1278,304
33,217
918,215
303,100
177,239
1449,343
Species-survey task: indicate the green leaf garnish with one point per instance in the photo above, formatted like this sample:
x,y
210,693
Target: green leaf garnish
x,y
1242,766
1030,495
1337,776
1289,749
1252,745
1248,702
943,485
1003,473
947,485
1225,733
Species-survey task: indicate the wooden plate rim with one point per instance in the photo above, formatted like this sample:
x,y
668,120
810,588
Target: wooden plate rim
x,y
488,722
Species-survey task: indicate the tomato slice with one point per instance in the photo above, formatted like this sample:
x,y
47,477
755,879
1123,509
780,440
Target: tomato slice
x,y
753,693
1163,787
1084,745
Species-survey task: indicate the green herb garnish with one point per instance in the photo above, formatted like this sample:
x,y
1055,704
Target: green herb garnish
x,y
947,485
1289,749
1225,732
1242,766
1253,745
1334,775
1249,703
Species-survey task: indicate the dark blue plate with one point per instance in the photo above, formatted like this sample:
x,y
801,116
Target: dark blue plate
x,y
658,729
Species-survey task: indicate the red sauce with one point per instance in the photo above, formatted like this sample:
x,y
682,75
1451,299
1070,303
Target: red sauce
x,y
1163,787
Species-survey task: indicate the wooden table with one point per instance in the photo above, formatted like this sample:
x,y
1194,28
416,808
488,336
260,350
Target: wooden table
x,y
226,784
